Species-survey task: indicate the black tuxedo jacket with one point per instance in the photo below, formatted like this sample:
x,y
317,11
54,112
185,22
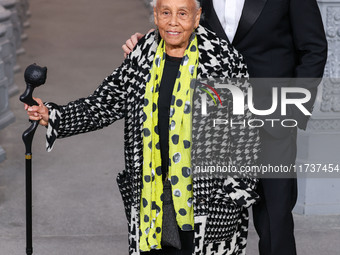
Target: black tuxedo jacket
x,y
278,39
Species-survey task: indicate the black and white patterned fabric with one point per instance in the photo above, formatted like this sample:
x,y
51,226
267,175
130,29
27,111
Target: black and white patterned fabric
x,y
220,204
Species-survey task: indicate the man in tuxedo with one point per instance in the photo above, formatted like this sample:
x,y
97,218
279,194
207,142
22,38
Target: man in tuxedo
x,y
278,39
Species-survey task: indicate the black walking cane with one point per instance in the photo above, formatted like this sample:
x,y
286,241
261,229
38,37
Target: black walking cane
x,y
34,77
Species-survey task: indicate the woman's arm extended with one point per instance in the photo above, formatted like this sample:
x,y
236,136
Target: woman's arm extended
x,y
98,110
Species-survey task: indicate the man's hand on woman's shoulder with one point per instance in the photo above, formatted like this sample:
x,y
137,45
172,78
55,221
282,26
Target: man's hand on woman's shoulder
x,y
132,41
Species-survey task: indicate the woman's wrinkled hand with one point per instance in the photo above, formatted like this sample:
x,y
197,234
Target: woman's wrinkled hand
x,y
39,113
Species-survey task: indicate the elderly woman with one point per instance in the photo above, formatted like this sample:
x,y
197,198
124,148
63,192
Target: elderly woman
x,y
152,90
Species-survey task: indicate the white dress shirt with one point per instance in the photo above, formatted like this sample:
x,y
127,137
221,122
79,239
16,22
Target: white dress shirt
x,y
229,13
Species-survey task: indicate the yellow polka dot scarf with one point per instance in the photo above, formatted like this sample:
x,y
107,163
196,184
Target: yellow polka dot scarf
x,y
151,212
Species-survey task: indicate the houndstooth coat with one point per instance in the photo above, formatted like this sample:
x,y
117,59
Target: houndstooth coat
x,y
220,204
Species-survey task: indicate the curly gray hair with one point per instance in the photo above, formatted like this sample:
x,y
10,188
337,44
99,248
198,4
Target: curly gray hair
x,y
154,3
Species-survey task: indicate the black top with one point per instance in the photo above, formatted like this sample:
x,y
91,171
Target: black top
x,y
170,72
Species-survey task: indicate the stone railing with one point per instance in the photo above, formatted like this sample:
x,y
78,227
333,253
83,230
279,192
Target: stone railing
x,y
13,19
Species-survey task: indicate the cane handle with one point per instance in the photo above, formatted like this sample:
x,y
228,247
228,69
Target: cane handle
x,y
34,77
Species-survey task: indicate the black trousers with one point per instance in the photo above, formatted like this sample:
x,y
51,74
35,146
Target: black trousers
x,y
273,217
187,241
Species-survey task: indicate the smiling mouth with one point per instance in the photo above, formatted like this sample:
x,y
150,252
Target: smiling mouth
x,y
173,33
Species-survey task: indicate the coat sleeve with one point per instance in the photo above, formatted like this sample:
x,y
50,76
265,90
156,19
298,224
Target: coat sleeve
x,y
244,150
309,38
98,110
311,49
244,139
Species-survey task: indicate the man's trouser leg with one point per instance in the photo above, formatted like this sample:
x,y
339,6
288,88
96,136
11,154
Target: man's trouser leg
x,y
273,217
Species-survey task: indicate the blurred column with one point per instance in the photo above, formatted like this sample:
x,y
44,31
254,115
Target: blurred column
x,y
14,16
23,15
14,36
6,116
320,143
